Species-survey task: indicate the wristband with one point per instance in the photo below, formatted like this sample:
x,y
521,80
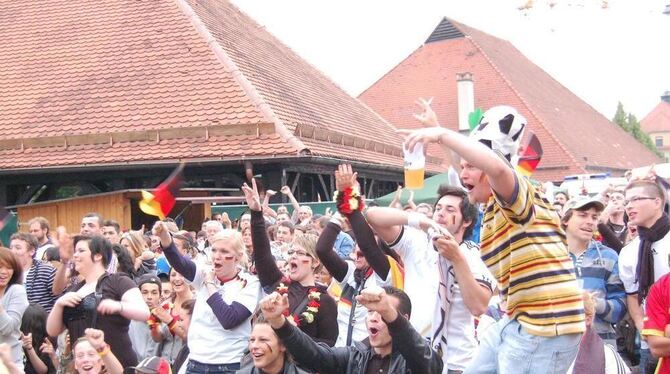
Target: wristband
x,y
104,351
414,220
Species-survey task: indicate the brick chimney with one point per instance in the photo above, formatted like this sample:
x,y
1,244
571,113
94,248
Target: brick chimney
x,y
466,100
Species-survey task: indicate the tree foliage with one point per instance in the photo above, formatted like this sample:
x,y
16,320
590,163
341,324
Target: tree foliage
x,y
631,125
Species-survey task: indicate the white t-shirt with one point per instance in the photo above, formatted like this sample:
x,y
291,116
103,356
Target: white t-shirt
x,y
628,264
421,285
359,331
628,261
462,340
421,276
208,341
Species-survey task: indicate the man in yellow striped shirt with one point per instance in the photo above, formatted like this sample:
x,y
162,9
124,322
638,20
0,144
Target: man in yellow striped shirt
x,y
524,247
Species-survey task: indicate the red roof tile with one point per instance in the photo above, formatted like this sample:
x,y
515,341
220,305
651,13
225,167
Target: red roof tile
x,y
75,72
216,148
658,120
574,136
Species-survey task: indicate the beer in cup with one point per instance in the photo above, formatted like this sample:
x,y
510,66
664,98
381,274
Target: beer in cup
x,y
415,163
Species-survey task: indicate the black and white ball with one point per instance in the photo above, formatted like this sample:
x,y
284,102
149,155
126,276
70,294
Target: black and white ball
x,y
501,129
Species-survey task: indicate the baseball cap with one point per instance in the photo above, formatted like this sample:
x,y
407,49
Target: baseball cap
x,y
153,365
148,278
581,202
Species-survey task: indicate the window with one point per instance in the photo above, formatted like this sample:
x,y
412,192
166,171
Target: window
x,y
659,141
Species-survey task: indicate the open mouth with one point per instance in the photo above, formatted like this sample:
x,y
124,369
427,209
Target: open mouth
x,y
258,355
87,367
293,266
468,187
373,331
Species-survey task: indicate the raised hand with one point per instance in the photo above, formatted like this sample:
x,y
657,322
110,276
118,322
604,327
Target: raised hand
x,y
96,338
65,244
160,230
345,177
285,190
427,117
270,192
425,136
251,194
375,299
225,220
273,307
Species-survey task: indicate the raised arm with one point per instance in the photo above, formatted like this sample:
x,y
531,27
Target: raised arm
x,y
266,267
266,204
317,358
500,175
182,264
336,266
368,245
413,347
286,190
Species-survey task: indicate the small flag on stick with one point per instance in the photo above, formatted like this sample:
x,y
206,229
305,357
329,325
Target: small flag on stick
x,y
161,200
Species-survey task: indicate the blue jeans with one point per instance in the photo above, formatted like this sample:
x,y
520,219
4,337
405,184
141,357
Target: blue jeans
x,y
647,361
195,367
508,348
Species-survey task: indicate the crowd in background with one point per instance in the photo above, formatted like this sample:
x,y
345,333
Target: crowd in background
x,y
495,276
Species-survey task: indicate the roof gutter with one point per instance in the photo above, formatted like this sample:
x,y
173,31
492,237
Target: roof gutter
x,y
239,77
60,169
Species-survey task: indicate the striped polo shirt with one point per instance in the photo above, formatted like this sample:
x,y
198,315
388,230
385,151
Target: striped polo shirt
x,y
39,282
525,248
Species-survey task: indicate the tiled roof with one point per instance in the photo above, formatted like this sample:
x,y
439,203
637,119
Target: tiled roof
x,y
658,120
297,92
139,152
119,81
574,136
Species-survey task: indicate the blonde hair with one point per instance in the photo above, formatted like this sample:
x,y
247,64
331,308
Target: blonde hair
x,y
308,243
234,237
135,242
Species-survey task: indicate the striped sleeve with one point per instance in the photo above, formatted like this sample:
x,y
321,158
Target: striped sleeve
x,y
520,209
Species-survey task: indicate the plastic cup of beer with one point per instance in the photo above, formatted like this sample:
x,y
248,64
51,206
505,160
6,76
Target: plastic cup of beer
x,y
414,163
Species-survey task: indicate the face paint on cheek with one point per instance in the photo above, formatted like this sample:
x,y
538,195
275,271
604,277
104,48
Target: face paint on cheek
x,y
305,261
453,220
228,258
269,347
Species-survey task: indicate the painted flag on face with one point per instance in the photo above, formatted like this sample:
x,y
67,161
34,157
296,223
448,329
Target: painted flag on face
x,y
162,199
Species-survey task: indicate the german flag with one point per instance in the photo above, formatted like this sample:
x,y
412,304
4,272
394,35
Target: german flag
x,y
530,156
161,200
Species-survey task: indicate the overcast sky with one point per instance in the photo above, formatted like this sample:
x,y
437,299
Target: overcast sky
x,y
621,53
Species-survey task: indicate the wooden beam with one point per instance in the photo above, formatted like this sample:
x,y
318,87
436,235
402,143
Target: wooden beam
x,y
325,189
372,183
295,182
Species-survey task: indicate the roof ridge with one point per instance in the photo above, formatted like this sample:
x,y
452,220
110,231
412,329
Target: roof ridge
x,y
516,92
256,98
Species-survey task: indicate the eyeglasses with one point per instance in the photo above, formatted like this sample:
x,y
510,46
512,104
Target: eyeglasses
x,y
299,252
638,198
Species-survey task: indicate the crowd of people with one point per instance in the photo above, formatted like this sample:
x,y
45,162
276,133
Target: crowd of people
x,y
495,277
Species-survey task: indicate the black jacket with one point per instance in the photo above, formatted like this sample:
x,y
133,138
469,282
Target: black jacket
x,y
289,368
411,353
